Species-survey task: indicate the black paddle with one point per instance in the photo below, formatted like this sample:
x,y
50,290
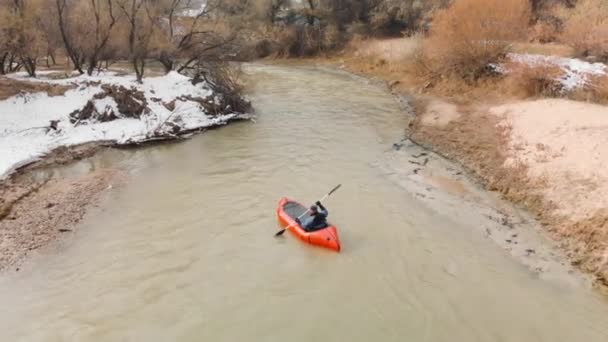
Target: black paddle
x,y
306,212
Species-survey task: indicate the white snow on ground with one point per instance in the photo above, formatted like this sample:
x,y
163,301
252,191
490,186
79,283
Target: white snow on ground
x,y
24,117
576,72
193,12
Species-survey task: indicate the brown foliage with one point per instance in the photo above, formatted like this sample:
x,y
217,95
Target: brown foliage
x,y
394,17
596,91
534,81
129,102
21,35
471,34
225,81
586,28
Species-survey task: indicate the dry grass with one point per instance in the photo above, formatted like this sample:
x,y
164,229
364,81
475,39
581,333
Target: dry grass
x,y
586,28
548,49
595,91
543,32
477,141
525,81
471,34
395,50
585,241
400,63
10,87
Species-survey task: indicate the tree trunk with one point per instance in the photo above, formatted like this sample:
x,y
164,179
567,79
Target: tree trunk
x,y
139,65
92,65
166,61
72,53
311,18
30,66
11,64
187,64
2,61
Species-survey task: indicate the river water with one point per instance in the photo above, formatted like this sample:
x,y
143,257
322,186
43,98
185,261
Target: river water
x,y
185,251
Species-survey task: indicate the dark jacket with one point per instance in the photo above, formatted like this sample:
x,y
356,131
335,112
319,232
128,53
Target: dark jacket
x,y
316,221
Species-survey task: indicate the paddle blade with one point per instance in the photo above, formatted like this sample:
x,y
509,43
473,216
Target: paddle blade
x,y
280,233
334,189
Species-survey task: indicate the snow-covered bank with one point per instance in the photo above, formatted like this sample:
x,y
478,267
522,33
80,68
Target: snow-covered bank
x,y
172,105
575,73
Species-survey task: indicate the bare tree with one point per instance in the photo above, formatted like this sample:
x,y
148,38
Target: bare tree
x,y
196,36
21,36
46,19
141,17
103,30
74,54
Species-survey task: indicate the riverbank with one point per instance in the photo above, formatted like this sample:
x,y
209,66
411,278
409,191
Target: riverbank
x,y
59,118
545,154
108,107
36,213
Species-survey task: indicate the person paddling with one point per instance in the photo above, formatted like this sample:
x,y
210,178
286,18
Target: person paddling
x,y
317,218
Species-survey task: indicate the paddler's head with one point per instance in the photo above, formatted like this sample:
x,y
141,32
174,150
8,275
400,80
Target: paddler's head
x,y
313,209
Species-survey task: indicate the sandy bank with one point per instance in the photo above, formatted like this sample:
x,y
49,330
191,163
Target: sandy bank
x,y
549,155
36,213
564,147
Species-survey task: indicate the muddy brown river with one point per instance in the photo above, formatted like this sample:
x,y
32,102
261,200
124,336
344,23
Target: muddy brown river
x,y
185,251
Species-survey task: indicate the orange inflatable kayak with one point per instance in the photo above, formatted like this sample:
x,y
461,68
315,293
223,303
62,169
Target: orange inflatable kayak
x,y
289,210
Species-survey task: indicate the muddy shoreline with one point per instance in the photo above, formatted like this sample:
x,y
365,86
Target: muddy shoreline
x,y
466,135
38,211
457,193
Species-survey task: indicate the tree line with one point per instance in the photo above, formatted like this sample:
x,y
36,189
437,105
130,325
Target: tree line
x,y
94,33
185,34
180,33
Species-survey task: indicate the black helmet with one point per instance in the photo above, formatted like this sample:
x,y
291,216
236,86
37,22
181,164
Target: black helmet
x,y
313,208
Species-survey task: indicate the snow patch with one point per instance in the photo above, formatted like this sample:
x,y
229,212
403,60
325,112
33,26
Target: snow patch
x,y
24,119
576,72
194,12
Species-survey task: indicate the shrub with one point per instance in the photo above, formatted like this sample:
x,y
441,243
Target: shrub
x,y
225,80
470,34
394,17
586,28
546,29
534,81
596,91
